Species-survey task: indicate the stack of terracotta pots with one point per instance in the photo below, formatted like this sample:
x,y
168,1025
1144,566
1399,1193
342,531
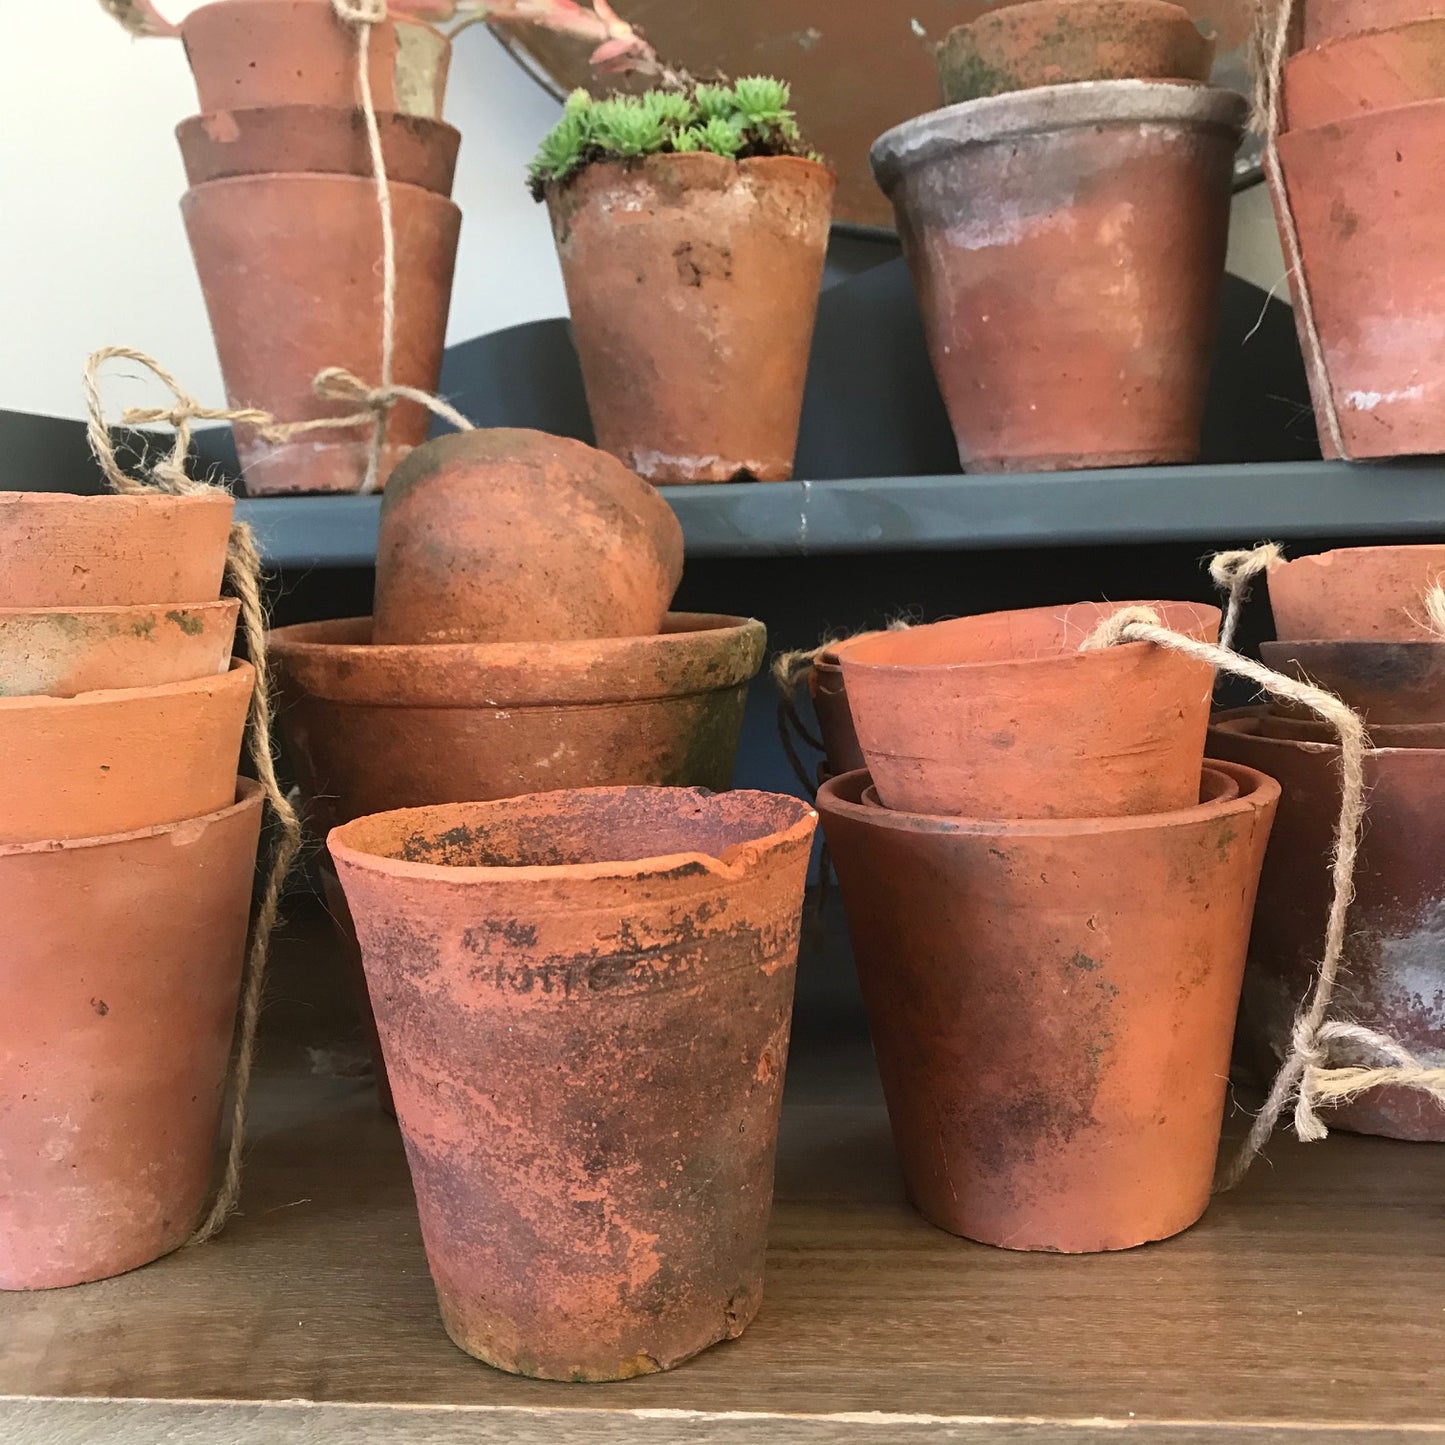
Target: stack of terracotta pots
x,y
285,223
1049,894
1363,111
583,994
127,854
1355,622
1065,217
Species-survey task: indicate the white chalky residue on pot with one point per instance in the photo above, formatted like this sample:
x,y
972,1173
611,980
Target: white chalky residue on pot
x,y
1369,400
1006,225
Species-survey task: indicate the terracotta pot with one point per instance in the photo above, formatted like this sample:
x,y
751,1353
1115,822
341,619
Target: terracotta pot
x,y
246,53
120,971
829,693
1221,789
636,948
693,285
61,652
62,551
1002,716
1302,729
1391,683
1067,246
1356,594
291,270
1056,42
1052,1006
317,138
1394,967
505,535
115,762
1365,194
1376,70
1326,20
370,728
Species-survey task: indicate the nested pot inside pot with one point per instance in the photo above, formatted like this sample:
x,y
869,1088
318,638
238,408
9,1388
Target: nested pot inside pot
x,y
1067,247
584,1000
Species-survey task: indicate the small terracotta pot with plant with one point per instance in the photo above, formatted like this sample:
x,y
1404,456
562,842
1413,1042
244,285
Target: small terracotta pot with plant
x,y
692,225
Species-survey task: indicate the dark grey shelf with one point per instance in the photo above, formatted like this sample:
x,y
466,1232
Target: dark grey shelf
x,y
1278,500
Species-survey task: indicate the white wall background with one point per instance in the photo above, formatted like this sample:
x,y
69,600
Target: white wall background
x,y
93,253
92,250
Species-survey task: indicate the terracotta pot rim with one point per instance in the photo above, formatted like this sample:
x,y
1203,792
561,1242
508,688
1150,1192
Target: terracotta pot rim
x,y
344,845
358,116
697,161
290,179
606,665
151,497
105,697
1250,714
844,652
121,609
1048,109
1423,21
1422,645
844,794
1288,140
392,16
249,794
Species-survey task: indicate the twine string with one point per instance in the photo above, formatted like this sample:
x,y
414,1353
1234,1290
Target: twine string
x,y
1232,573
1270,45
789,669
243,571
1306,1075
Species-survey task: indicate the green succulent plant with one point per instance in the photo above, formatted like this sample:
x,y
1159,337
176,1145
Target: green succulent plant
x,y
750,118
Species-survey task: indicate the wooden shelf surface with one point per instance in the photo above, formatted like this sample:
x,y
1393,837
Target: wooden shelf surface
x,y
1307,1306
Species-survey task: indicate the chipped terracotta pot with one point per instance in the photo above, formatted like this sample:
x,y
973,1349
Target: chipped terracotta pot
x,y
291,269
1389,683
1052,1006
120,972
1356,594
635,949
371,728
1326,20
291,139
1393,977
506,535
1002,716
693,285
829,694
1366,195
64,651
1057,42
119,761
112,551
1374,70
246,53
1067,247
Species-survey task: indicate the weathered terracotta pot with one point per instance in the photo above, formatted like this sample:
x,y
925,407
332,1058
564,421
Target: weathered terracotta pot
x,y
1052,1006
1374,70
506,535
1056,42
1067,246
1221,789
1326,20
829,694
1393,979
1356,594
291,270
1365,194
112,551
1388,682
115,762
693,284
1302,728
370,728
120,971
64,651
317,138
246,53
585,1000
1002,716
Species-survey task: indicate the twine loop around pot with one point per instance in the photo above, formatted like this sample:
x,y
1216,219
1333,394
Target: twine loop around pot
x,y
1270,46
1306,1074
243,571
1232,573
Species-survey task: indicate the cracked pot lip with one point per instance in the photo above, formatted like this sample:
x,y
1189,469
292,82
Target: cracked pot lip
x,y
347,843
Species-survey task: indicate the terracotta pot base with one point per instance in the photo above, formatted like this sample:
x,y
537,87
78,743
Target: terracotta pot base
x,y
634,949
